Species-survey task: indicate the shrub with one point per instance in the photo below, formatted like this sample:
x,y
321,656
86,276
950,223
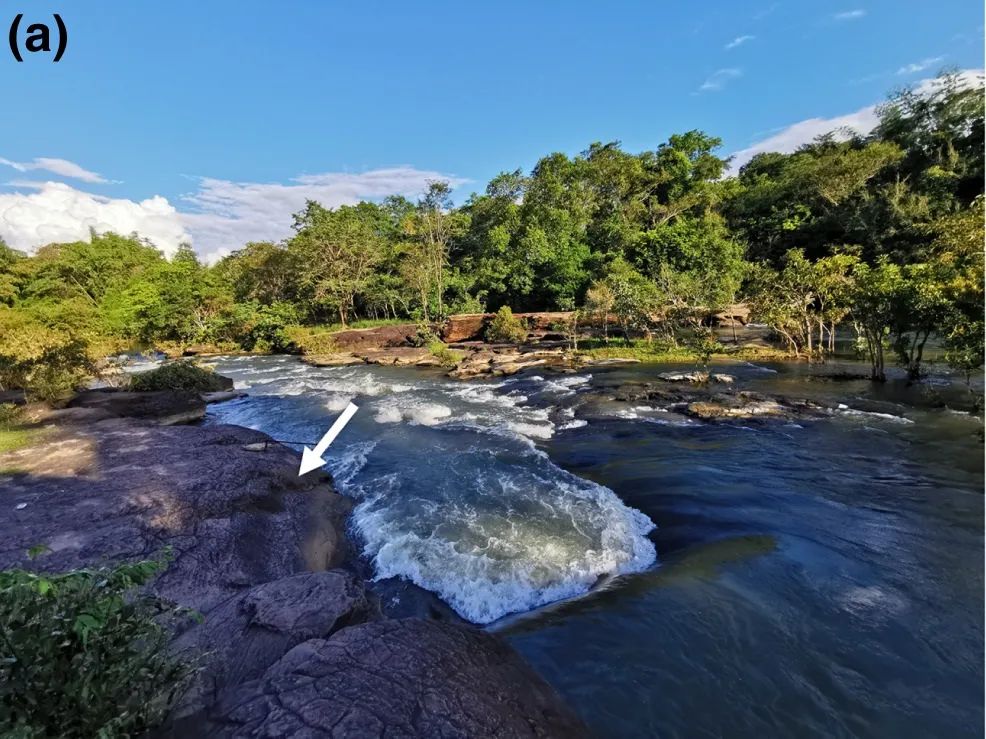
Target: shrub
x,y
85,654
506,328
703,343
443,354
424,336
178,376
269,331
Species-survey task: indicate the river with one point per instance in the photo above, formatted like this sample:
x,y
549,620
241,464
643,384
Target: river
x,y
669,577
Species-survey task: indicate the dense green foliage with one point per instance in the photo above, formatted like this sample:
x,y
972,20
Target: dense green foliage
x,y
883,232
84,653
506,327
178,376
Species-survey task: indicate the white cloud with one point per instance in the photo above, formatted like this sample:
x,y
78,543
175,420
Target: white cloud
x,y
862,121
738,41
62,167
59,212
221,215
718,79
789,139
920,66
849,15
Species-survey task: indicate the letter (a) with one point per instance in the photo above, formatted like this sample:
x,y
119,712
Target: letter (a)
x,y
38,38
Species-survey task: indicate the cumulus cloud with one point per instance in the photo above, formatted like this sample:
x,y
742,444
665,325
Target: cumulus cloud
x,y
719,79
862,121
220,215
849,15
61,167
59,212
921,65
738,41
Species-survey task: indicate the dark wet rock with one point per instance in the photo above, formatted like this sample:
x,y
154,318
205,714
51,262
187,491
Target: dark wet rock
x,y
331,360
400,598
163,407
713,401
243,636
222,396
399,678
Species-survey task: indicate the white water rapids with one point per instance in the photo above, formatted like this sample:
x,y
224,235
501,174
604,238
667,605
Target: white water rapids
x,y
451,489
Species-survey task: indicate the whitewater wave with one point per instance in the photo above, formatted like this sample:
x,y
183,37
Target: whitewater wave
x,y
847,411
531,536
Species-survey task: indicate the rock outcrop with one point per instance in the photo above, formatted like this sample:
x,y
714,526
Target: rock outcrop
x,y
374,338
163,407
399,678
289,644
119,489
246,634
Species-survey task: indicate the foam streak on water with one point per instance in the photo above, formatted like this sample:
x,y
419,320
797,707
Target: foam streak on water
x,y
451,489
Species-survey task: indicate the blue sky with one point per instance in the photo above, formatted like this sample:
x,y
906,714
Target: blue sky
x,y
251,96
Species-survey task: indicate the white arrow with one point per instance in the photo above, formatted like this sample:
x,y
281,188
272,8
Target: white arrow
x,y
311,459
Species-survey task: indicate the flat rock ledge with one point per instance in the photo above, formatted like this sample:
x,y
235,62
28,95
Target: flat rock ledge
x,y
290,643
479,360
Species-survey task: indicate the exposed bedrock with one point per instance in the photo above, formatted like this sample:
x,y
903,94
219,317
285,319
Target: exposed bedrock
x,y
399,678
290,644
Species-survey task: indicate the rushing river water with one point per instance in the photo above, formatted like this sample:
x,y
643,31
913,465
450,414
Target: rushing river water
x,y
669,577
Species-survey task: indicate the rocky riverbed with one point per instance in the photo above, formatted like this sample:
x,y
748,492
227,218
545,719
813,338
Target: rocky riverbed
x,y
291,641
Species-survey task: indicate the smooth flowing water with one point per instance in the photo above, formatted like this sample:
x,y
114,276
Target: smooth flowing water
x,y
668,577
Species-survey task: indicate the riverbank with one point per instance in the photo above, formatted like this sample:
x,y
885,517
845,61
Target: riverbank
x,y
290,640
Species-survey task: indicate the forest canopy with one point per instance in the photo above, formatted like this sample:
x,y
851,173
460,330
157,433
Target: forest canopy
x,y
884,231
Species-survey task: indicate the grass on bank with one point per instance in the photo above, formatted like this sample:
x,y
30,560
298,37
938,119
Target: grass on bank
x,y
13,434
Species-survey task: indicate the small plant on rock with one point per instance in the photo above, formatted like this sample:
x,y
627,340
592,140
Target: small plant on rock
x,y
505,328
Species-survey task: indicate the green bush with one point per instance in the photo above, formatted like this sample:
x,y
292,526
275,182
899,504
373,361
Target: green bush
x,y
424,336
85,654
506,328
178,376
443,354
